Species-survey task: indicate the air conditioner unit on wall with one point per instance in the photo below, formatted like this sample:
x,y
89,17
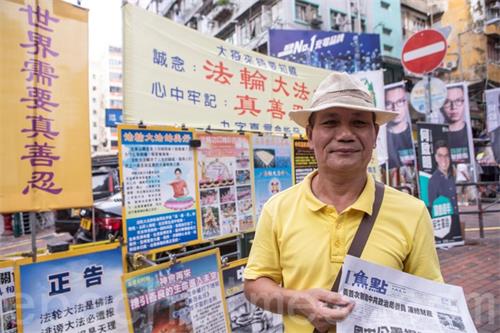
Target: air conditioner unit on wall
x,y
451,64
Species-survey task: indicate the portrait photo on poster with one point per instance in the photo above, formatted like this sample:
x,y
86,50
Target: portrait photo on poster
x,y
456,115
400,147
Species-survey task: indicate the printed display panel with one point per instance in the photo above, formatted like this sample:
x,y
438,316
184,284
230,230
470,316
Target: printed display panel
x,y
225,184
272,167
158,172
186,296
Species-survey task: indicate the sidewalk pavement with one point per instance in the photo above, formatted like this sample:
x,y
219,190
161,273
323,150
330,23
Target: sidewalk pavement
x,y
476,267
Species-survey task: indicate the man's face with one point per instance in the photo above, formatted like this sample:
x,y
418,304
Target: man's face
x,y
443,159
454,105
342,139
395,100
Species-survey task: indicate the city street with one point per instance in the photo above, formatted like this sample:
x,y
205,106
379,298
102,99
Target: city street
x,y
475,266
232,140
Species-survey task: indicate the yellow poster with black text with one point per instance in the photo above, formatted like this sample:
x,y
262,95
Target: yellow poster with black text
x,y
44,134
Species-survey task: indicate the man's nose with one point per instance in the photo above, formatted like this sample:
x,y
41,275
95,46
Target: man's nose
x,y
345,133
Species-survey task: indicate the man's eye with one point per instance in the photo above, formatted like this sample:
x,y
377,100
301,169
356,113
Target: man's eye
x,y
359,123
330,122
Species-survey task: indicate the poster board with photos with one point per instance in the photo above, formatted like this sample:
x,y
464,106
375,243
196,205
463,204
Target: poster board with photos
x,y
437,183
304,160
184,296
157,170
225,183
8,320
244,316
75,290
272,167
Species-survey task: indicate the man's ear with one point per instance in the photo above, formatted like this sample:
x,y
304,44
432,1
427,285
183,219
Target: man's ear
x,y
377,127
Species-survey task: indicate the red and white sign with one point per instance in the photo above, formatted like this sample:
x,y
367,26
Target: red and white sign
x,y
424,51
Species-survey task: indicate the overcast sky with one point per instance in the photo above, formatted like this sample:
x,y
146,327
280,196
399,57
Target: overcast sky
x,y
105,22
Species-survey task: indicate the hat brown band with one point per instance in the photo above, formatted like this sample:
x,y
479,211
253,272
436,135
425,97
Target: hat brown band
x,y
327,98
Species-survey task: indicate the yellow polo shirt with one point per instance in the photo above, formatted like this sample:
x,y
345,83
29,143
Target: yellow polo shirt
x,y
301,242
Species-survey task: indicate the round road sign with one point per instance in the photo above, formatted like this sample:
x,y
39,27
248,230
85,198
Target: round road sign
x,y
424,51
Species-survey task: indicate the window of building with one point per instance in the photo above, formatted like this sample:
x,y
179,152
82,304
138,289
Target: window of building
x,y
115,49
388,48
115,89
94,124
114,76
94,136
354,24
492,10
94,111
115,62
115,104
305,11
338,21
386,31
384,4
494,50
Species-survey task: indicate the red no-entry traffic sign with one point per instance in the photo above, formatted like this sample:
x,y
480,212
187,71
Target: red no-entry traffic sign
x,y
424,51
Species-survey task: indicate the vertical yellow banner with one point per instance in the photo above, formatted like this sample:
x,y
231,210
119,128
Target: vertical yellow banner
x,y
44,135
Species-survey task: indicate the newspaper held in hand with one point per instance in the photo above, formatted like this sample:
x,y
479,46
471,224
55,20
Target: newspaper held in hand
x,y
388,300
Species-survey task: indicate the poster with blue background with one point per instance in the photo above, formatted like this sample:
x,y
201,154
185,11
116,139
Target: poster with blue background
x,y
272,167
158,177
76,292
340,51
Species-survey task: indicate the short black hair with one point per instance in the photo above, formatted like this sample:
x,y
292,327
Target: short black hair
x,y
441,144
177,169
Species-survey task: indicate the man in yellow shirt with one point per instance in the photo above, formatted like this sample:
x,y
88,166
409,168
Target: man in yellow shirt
x,y
305,231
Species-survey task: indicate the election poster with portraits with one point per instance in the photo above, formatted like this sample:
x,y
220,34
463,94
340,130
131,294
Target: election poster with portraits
x,y
184,296
272,167
493,120
225,184
456,114
304,160
437,183
400,146
159,187
8,320
245,317
72,292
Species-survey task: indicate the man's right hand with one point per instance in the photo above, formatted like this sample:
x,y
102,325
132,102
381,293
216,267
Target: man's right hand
x,y
323,308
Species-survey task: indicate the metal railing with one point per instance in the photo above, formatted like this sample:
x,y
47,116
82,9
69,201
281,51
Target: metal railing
x,y
483,208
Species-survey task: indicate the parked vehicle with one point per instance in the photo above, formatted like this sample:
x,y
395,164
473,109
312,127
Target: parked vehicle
x,y
105,183
108,220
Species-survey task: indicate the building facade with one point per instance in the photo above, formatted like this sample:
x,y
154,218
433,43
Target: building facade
x,y
105,93
246,22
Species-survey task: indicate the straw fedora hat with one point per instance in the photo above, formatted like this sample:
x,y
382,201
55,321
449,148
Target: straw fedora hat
x,y
341,90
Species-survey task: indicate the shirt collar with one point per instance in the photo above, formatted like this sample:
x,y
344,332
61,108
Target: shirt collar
x,y
364,202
